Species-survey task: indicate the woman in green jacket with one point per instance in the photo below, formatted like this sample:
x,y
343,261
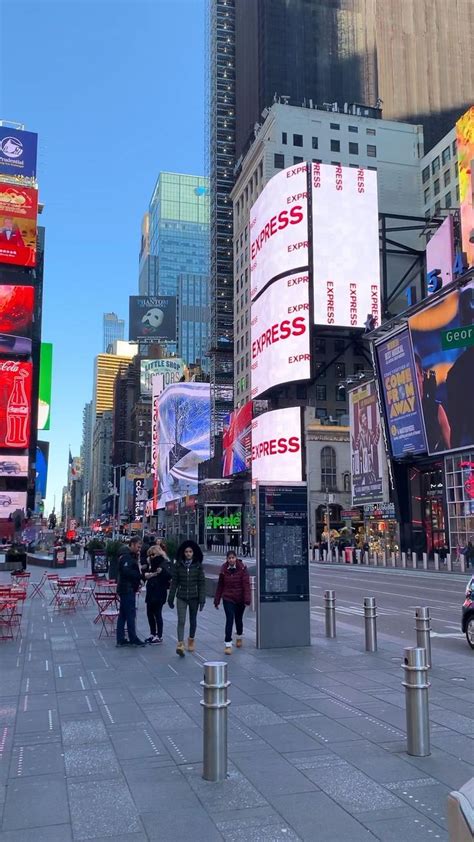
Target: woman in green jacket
x,y
188,585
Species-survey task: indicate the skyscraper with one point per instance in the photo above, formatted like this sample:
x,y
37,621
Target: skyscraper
x,y
113,329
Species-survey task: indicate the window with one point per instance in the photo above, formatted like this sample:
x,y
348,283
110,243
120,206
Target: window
x,y
335,145
297,159
354,129
340,393
370,131
321,413
346,479
435,165
446,155
297,140
448,203
316,160
314,142
335,163
284,138
339,345
279,161
427,194
436,187
334,126
353,148
372,168
455,148
318,368
447,178
328,469
437,207
371,151
320,393
340,370
425,175
320,346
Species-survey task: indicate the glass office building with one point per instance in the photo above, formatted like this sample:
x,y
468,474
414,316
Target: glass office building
x,y
193,319
113,330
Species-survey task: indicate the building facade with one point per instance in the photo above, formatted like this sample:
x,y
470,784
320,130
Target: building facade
x,y
106,368
439,177
193,319
101,463
86,457
113,330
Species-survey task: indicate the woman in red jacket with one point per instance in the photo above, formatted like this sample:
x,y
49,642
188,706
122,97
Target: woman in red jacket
x,y
233,588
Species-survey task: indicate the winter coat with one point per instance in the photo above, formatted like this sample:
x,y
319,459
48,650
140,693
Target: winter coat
x,y
129,576
157,586
188,582
233,584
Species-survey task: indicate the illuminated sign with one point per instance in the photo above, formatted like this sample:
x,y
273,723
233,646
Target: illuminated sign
x,y
152,317
400,396
277,448
45,385
465,149
16,319
171,368
366,445
237,441
440,257
18,215
226,518
15,403
18,152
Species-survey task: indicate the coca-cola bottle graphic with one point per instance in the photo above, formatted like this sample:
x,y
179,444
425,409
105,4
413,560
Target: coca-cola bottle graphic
x,y
17,413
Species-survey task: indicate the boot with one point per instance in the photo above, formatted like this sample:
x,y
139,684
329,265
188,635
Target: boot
x,y
228,648
191,645
239,643
180,648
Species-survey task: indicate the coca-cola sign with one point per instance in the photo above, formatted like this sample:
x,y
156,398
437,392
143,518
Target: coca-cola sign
x,y
15,403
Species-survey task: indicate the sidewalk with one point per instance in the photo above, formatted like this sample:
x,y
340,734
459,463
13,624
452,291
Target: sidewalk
x,y
100,743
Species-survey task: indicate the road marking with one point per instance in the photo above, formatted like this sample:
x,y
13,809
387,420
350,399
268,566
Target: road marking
x,y
451,634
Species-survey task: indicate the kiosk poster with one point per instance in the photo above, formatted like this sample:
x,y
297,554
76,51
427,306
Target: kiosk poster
x,y
366,445
402,404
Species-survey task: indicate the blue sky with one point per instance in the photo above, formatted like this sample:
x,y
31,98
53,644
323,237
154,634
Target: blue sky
x,y
115,91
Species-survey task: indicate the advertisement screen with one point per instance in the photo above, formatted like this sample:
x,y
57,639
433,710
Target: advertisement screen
x,y
277,448
42,458
171,369
442,336
18,151
13,466
16,319
465,147
15,403
279,228
280,333
140,497
366,445
440,253
18,214
184,438
45,381
346,268
10,502
400,396
221,519
237,441
152,317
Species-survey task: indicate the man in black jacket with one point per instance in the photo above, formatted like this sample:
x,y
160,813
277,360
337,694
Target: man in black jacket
x,y
128,583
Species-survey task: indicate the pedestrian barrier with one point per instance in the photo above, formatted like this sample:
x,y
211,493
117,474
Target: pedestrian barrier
x,y
330,613
215,704
423,631
370,623
416,686
404,560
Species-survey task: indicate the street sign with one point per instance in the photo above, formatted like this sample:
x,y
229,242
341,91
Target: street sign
x,y
459,337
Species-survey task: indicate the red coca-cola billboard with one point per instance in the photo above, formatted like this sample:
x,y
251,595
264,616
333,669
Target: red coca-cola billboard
x,y
15,403
18,221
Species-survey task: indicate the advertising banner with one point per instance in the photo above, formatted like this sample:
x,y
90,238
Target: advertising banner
x,y
13,466
366,445
10,502
237,441
400,396
18,152
42,459
15,403
442,336
346,263
184,438
45,381
279,228
440,254
172,370
152,318
277,446
280,334
465,148
18,215
140,497
220,519
16,319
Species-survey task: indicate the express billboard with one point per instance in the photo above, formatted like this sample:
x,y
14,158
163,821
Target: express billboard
x,y
237,441
400,396
45,385
366,445
15,403
152,318
345,236
18,152
18,219
16,318
171,368
465,150
440,256
280,334
277,446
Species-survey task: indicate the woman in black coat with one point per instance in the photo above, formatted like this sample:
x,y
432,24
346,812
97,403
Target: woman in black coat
x,y
157,577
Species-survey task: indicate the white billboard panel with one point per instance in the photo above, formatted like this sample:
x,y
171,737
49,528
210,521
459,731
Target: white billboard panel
x,y
279,228
280,333
346,265
172,368
277,448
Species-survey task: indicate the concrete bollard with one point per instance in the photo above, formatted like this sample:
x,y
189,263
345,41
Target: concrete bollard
x,y
370,623
423,631
393,560
425,561
330,613
404,560
416,686
414,561
384,558
462,560
449,563
436,561
215,704
253,593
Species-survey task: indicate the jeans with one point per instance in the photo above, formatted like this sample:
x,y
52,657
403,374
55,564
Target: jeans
x,y
155,617
182,605
127,614
233,611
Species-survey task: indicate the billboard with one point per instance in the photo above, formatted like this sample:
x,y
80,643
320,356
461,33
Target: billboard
x,y
10,501
237,441
465,147
172,370
16,319
139,497
400,396
42,458
280,334
13,466
440,255
18,214
279,228
222,518
277,446
442,336
152,318
15,403
183,438
45,380
366,445
346,265
18,152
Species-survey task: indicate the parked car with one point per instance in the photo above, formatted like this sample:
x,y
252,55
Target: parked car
x,y
468,613
5,500
9,467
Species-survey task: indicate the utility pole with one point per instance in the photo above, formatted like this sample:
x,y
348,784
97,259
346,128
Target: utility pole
x,y
328,520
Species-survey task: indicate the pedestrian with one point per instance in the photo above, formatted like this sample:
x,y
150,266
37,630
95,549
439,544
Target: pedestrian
x,y
469,554
233,587
128,583
157,577
188,585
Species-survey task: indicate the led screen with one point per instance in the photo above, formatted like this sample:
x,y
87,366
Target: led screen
x,y
45,385
152,317
18,152
16,318
15,403
366,445
465,149
277,451
400,396
18,215
13,466
237,441
10,501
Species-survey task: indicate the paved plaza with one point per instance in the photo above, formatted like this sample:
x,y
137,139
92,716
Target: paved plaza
x,y
99,743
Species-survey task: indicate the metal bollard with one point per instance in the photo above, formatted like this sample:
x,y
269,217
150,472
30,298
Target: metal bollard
x,y
462,559
358,556
414,561
436,561
423,631
404,560
393,560
215,704
416,686
384,558
449,563
330,613
253,593
370,621
425,561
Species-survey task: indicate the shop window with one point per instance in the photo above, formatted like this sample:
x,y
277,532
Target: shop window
x,y
328,469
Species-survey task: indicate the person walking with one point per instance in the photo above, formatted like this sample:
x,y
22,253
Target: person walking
x,y
128,583
469,554
188,585
157,577
233,587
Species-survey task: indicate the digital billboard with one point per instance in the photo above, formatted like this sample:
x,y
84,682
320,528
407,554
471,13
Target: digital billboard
x,y
465,149
277,446
237,441
16,318
366,445
45,381
15,403
346,263
280,334
172,370
442,336
400,396
10,501
18,215
152,318
13,466
139,497
440,255
183,438
18,152
42,459
279,228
